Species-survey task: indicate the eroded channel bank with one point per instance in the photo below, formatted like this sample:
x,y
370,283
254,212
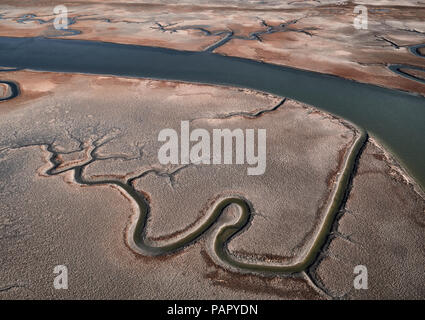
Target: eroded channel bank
x,y
11,90
400,68
395,118
137,233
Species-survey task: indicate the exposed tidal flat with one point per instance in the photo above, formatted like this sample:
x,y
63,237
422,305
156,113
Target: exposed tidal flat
x,y
100,131
393,117
310,35
81,183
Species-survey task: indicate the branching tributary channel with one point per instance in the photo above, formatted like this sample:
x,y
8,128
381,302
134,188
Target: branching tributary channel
x,y
137,232
393,117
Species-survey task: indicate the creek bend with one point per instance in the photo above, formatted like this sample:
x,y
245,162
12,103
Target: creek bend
x,y
394,118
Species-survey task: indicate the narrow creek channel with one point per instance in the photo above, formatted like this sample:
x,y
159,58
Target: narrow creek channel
x,y
396,119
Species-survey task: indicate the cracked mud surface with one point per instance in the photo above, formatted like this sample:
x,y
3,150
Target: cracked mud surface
x,y
371,223
107,130
312,35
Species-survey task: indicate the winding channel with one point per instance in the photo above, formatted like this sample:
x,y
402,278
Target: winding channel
x,y
395,118
399,68
137,239
137,234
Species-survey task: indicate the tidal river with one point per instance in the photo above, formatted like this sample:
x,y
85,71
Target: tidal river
x,y
396,119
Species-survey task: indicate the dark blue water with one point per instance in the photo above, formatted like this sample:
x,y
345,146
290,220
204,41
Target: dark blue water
x,y
395,118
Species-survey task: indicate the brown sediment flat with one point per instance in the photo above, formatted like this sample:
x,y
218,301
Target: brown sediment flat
x,y
126,115
55,222
187,42
31,86
416,73
383,215
296,288
323,39
335,47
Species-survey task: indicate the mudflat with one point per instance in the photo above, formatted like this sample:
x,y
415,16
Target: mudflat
x,y
310,35
106,129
